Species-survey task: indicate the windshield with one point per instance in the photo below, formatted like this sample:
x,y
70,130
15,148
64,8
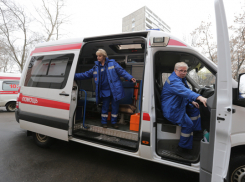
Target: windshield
x,y
242,87
203,77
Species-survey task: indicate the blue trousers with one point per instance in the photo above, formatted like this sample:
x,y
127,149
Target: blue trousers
x,y
105,108
192,122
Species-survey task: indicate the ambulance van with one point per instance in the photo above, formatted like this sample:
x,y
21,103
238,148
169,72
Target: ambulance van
x,y
51,105
9,84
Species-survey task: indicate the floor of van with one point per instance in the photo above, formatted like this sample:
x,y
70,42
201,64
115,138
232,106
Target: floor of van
x,y
122,137
167,148
97,122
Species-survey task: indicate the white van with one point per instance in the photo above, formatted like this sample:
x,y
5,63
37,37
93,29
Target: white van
x,y
52,105
9,84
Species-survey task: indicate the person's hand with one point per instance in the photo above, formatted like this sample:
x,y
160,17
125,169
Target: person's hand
x,y
195,104
203,100
133,80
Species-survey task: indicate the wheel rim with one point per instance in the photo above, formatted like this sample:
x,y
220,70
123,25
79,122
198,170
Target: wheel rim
x,y
238,175
12,106
41,138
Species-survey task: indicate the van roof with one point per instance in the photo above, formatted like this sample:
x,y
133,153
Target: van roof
x,y
10,76
60,42
118,35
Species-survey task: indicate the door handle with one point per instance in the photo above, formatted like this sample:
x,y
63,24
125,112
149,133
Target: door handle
x,y
219,118
64,94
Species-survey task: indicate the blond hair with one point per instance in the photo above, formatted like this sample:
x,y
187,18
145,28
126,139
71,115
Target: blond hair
x,y
101,52
180,64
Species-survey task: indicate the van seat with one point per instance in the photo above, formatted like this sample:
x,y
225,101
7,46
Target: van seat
x,y
159,115
129,92
125,104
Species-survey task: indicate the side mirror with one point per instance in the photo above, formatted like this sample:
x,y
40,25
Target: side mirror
x,y
241,86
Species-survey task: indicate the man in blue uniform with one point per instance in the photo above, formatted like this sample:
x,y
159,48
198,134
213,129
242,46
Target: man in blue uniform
x,y
179,107
106,74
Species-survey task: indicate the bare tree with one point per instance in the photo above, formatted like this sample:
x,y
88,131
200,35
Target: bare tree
x,y
237,44
202,37
3,61
52,17
16,36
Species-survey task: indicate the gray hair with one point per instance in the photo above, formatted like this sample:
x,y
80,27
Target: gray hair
x,y
102,52
180,64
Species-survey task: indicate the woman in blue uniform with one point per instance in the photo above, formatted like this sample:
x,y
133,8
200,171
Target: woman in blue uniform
x,y
106,74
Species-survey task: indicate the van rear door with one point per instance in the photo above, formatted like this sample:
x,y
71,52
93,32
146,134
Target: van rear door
x,y
215,155
45,95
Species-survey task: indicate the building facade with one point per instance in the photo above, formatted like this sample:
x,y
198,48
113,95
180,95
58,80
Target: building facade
x,y
143,19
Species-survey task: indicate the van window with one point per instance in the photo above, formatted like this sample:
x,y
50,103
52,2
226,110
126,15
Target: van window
x,y
49,71
165,77
10,85
203,77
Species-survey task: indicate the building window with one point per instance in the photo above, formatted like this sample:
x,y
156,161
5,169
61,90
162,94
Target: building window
x,y
132,29
133,25
148,21
133,20
148,27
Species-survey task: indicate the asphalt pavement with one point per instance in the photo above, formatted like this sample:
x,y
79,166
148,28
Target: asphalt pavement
x,y
21,160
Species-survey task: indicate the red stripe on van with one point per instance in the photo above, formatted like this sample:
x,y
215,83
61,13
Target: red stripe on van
x,y
8,92
173,42
9,78
43,102
57,48
146,117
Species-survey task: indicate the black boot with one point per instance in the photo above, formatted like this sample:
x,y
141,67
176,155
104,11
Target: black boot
x,y
184,153
115,126
197,135
104,125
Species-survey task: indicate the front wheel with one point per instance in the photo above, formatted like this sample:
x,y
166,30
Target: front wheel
x,y
43,141
237,168
11,106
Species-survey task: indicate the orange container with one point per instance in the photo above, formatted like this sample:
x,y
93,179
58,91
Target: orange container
x,y
134,122
109,116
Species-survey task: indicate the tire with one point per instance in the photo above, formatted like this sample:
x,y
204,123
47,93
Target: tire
x,y
237,168
11,106
42,141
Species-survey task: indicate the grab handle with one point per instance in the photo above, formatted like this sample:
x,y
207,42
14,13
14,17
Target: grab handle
x,y
84,109
64,94
140,95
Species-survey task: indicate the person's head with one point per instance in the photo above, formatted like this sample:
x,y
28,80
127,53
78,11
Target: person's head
x,y
101,55
180,69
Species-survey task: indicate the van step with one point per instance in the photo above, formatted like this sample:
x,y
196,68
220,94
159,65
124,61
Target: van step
x,y
129,135
109,140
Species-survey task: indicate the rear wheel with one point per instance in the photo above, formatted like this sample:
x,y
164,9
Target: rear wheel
x,y
11,106
237,168
43,141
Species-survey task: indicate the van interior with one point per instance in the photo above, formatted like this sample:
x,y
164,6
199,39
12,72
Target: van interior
x,y
130,55
201,80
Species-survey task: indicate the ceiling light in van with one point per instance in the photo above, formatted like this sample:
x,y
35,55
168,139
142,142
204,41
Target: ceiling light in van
x,y
130,46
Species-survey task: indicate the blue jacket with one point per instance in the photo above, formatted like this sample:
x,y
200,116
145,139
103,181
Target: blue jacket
x,y
114,72
174,98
